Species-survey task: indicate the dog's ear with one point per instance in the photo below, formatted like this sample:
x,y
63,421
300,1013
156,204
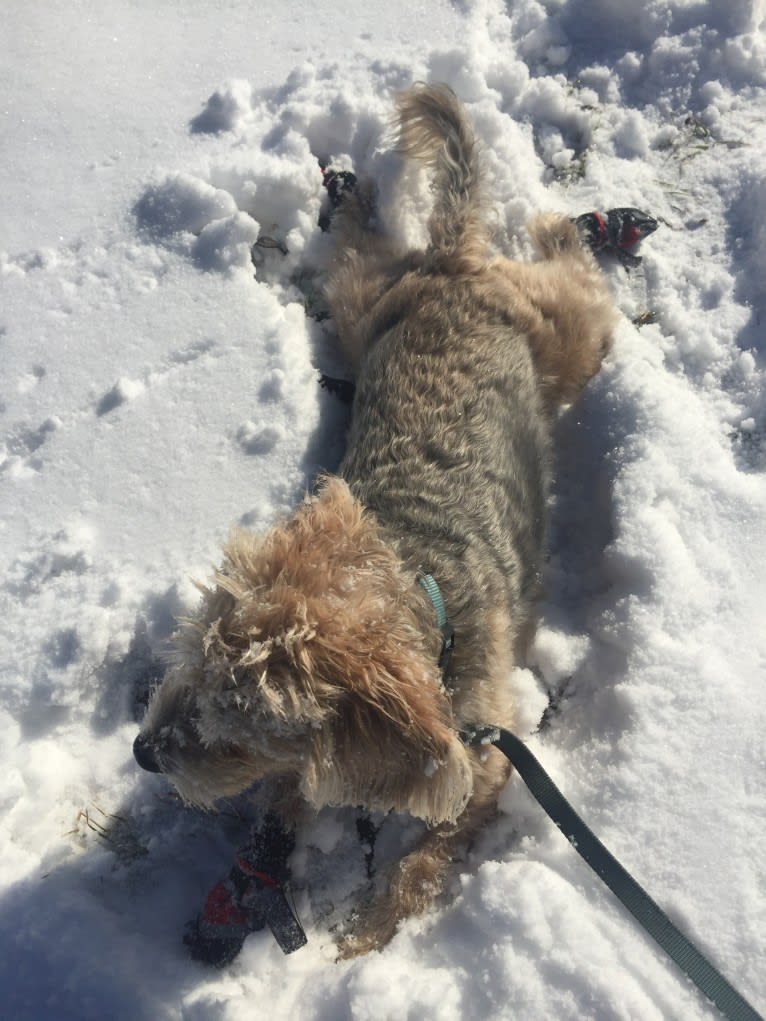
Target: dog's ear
x,y
443,792
391,743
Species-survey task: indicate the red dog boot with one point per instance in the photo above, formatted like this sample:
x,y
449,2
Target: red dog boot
x,y
617,231
251,896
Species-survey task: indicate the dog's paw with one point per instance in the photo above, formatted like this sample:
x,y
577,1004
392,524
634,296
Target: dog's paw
x,y
371,927
357,944
343,389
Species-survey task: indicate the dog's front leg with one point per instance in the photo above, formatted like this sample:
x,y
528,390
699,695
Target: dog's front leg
x,y
414,883
418,879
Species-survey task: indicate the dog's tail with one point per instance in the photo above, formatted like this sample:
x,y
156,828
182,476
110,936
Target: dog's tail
x,y
434,129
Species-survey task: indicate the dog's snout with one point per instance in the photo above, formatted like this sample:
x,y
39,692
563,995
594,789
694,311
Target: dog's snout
x,y
144,755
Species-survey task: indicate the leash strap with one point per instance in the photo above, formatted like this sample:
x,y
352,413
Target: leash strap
x,y
654,920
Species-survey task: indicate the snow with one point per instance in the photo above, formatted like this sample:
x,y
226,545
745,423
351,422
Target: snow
x,y
155,392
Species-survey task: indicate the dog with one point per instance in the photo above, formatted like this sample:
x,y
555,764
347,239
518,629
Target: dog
x,y
317,660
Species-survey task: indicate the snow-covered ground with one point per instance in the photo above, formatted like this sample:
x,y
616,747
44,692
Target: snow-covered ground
x,y
156,388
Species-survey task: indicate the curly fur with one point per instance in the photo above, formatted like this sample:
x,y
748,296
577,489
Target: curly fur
x,y
314,655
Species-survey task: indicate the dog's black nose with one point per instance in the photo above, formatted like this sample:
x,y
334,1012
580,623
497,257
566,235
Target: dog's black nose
x,y
144,755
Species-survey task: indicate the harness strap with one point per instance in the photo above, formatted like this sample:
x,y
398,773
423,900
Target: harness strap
x,y
654,920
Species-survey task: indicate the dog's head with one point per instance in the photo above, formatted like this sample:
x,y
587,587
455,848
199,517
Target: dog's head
x,y
309,658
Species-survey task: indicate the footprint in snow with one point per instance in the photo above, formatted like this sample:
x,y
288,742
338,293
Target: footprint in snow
x,y
257,439
123,390
24,441
126,389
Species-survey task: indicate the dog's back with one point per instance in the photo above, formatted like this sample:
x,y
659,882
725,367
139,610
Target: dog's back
x,y
449,443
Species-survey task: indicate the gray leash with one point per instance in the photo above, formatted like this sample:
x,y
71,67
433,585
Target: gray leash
x,y
654,920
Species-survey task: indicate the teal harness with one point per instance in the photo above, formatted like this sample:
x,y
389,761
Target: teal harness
x,y
448,635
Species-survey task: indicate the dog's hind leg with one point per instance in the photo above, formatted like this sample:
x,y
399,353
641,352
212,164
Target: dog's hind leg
x,y
572,315
555,235
365,267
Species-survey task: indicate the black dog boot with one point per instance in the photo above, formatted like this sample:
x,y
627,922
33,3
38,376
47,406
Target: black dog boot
x,y
251,897
339,184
